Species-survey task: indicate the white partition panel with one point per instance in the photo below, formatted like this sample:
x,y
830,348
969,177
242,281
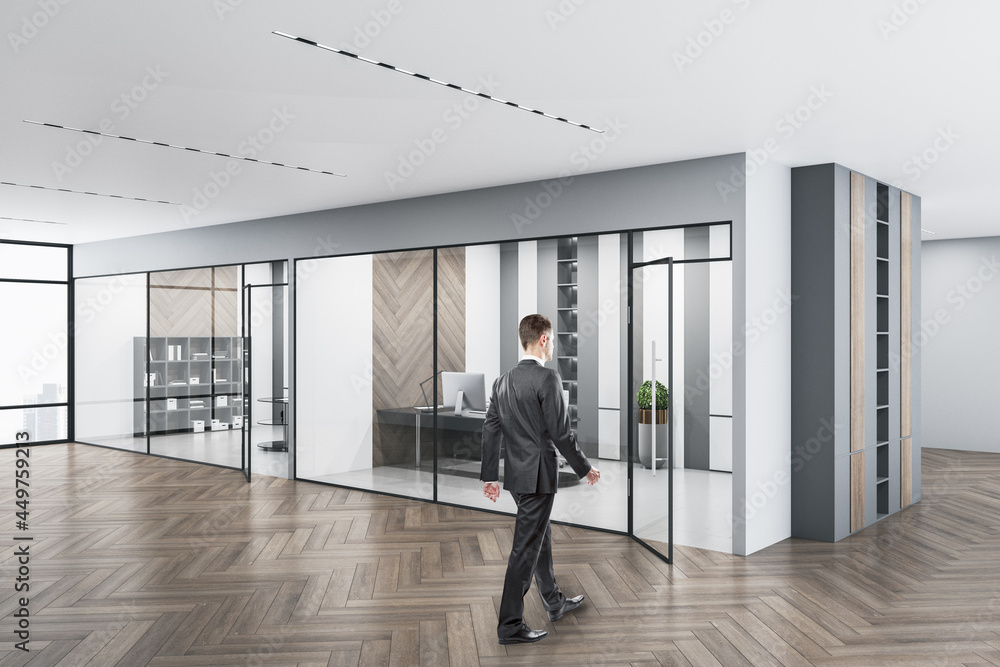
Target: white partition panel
x,y
482,312
333,367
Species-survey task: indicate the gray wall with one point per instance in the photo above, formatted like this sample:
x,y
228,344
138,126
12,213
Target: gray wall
x,y
642,197
958,343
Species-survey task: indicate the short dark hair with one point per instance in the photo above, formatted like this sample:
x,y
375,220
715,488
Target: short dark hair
x,y
531,329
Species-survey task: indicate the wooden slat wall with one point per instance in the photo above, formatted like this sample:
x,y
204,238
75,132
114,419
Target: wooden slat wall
x,y
857,491
403,345
906,473
184,303
857,312
906,351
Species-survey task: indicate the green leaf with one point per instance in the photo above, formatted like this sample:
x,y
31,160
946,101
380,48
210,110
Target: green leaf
x,y
644,397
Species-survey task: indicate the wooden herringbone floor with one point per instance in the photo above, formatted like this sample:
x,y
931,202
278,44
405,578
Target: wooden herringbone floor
x,y
146,561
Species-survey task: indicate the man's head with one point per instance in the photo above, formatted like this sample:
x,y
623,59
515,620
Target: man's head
x,y
535,332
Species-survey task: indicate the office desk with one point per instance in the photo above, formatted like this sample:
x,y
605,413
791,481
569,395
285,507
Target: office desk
x,y
446,421
469,437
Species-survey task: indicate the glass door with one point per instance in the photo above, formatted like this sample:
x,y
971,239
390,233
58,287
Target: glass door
x,y
651,437
265,387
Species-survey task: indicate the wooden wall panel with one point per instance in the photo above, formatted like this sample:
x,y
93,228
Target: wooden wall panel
x,y
196,302
857,491
906,315
857,312
403,344
906,473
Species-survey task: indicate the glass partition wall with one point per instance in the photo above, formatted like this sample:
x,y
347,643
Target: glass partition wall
x,y
35,386
380,411
110,380
385,341
193,358
160,364
365,372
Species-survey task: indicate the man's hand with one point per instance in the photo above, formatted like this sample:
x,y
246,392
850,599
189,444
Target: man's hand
x,y
491,490
593,476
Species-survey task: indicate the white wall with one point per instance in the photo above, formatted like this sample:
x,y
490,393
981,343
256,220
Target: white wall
x,y
333,366
762,467
482,312
957,343
527,288
609,298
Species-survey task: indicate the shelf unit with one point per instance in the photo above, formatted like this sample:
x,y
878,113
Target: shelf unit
x,y
189,379
855,373
568,321
882,345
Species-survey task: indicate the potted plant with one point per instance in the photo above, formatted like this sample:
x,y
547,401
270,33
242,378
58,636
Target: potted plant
x,y
649,420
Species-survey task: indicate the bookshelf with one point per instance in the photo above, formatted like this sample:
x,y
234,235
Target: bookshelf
x,y
192,381
568,322
854,368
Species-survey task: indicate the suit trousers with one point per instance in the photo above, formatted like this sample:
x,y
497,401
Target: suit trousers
x,y
530,555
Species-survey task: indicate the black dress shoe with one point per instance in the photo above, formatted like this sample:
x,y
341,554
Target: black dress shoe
x,y
569,604
524,636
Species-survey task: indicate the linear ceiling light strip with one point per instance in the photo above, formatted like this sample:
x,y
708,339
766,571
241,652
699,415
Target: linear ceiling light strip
x,y
183,148
42,222
94,194
433,80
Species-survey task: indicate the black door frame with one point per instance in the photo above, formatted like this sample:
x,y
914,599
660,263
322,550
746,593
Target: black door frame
x,y
632,454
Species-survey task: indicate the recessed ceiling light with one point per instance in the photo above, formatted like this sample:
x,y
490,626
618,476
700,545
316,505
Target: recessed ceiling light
x,y
183,148
94,194
43,222
927,231
433,80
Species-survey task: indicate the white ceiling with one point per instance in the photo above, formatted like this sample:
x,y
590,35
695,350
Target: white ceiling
x,y
904,77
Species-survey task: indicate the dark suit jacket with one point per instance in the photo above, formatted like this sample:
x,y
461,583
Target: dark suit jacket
x,y
528,411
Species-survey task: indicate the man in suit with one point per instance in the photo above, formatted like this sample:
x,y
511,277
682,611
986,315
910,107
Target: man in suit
x,y
528,414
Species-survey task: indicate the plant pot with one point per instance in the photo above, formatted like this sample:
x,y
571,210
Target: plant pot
x,y
646,427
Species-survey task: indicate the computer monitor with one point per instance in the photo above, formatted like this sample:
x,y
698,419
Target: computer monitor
x,y
472,386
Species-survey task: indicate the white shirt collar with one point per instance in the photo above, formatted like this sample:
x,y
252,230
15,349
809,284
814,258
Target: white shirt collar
x,y
533,358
